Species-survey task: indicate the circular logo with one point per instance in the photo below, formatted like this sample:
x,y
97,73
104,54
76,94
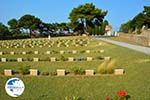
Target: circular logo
x,y
14,87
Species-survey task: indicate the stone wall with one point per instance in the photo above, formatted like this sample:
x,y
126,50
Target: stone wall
x,y
142,39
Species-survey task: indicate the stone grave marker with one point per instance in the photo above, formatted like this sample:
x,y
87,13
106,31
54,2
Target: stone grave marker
x,y
102,51
70,59
35,59
60,72
7,72
107,58
24,53
12,53
1,53
33,72
36,52
19,59
89,72
53,59
62,52
119,71
48,52
74,51
3,59
87,51
89,58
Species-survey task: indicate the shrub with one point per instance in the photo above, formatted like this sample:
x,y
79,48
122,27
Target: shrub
x,y
12,60
63,58
78,71
25,70
45,73
53,73
107,67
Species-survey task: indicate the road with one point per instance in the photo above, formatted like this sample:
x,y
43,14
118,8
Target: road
x,y
142,49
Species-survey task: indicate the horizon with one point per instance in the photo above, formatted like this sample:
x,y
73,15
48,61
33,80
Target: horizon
x,y
56,11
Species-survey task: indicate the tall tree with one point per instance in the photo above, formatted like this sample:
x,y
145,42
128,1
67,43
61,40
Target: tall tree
x,y
85,17
4,32
13,26
30,23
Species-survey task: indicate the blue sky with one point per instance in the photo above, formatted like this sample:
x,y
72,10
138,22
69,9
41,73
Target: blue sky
x,y
119,11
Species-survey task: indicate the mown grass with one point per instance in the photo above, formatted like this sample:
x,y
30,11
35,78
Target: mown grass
x,y
135,80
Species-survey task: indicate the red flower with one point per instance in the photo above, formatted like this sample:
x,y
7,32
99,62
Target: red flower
x,y
107,98
122,93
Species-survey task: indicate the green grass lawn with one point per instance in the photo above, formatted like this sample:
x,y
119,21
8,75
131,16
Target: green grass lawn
x,y
135,80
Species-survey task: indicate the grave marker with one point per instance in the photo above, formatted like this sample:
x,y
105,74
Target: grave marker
x,y
60,72
119,71
35,59
70,59
3,59
19,59
89,72
7,72
33,72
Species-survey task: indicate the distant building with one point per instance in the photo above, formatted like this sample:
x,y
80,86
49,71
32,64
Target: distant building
x,y
108,30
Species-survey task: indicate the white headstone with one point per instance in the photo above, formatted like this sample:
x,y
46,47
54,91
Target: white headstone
x,y
89,72
23,52
53,59
36,52
7,72
70,59
87,51
119,71
60,72
3,59
1,53
33,72
12,53
19,59
35,59
89,58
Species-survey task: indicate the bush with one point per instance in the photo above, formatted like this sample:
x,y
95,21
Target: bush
x,y
25,70
45,73
63,58
12,60
78,71
107,67
53,73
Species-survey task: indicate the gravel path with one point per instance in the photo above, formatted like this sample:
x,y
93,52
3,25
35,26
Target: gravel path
x,y
142,49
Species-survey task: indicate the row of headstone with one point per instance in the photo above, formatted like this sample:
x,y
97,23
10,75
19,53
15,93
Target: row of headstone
x,y
62,72
53,59
42,43
49,52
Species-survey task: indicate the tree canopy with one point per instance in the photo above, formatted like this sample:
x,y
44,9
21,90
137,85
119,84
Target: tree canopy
x,y
140,20
85,17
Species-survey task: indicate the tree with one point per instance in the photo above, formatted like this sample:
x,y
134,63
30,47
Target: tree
x,y
30,23
147,16
140,20
4,32
85,17
13,26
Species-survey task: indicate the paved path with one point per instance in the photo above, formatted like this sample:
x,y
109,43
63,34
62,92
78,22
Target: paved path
x,y
142,49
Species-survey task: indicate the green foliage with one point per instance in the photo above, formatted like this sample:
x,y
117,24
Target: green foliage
x,y
85,17
25,70
45,73
4,32
140,20
78,71
107,67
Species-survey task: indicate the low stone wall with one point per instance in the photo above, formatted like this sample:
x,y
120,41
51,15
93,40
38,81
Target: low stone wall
x,y
139,39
